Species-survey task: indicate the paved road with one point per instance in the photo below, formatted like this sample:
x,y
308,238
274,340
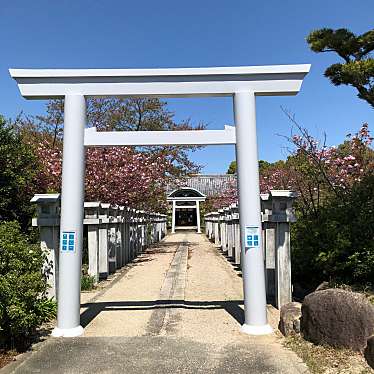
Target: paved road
x,y
178,309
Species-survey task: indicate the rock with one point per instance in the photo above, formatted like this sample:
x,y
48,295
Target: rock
x,y
338,318
369,352
323,286
289,322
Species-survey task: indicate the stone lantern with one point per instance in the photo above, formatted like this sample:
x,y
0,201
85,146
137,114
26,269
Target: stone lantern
x,y
48,220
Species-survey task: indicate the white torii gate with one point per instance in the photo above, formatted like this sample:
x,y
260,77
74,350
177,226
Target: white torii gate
x,y
242,83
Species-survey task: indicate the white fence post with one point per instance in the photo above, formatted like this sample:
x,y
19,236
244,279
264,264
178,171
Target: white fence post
x,y
112,250
103,241
236,234
222,231
127,234
92,220
216,228
229,234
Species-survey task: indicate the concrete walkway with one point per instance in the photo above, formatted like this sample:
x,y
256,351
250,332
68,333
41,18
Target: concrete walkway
x,y
178,309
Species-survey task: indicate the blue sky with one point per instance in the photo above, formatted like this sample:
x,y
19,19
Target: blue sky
x,y
124,34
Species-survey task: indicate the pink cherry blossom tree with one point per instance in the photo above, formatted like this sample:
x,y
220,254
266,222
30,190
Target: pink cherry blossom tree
x,y
314,169
128,176
117,175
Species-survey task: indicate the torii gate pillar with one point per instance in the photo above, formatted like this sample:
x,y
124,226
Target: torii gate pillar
x,y
250,215
71,226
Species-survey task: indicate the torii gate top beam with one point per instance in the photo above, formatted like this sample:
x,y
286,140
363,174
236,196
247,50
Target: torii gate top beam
x,y
176,82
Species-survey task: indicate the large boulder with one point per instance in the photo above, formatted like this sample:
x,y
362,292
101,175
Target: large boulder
x,y
369,351
289,322
338,318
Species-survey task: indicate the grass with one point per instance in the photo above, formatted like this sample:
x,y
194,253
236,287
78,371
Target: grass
x,y
367,290
87,282
323,359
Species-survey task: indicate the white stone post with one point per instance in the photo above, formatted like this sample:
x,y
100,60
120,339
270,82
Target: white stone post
x,y
250,215
160,226
229,231
222,230
211,226
165,226
141,230
133,234
71,228
154,225
123,235
216,228
103,241
119,239
151,236
236,229
127,234
198,216
146,229
173,218
137,236
137,232
91,219
112,250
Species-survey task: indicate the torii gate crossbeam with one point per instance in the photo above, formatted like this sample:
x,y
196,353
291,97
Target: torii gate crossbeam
x,y
242,83
151,138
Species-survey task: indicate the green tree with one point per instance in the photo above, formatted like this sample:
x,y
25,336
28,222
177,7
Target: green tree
x,y
17,170
232,168
337,244
263,166
357,70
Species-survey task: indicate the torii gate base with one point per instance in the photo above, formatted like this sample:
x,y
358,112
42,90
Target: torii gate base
x,y
243,83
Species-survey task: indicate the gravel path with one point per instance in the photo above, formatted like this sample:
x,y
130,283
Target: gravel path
x,y
177,309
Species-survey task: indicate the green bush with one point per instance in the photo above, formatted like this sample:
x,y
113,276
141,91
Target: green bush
x,y
87,282
23,302
337,244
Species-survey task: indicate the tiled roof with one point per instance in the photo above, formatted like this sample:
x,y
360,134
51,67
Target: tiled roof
x,y
209,185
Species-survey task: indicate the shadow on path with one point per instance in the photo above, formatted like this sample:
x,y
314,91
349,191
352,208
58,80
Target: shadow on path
x,y
94,309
